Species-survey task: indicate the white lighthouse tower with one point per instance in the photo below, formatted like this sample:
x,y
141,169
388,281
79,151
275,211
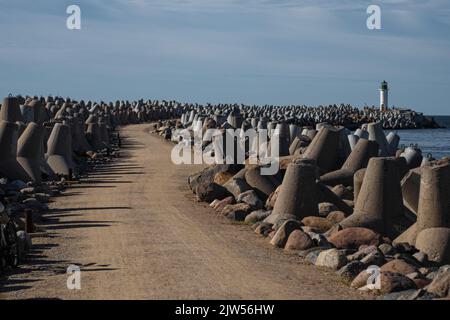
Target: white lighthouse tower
x,y
384,96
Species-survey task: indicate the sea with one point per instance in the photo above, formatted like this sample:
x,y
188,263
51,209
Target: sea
x,y
431,141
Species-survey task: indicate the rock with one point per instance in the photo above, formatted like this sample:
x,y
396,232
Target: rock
x,y
206,176
440,286
421,282
312,255
236,212
393,282
404,247
331,258
319,223
421,257
263,229
342,192
28,190
410,294
222,177
42,197
320,240
24,243
18,184
214,203
219,206
336,216
280,219
250,197
270,203
352,238
351,270
361,253
298,240
236,186
375,258
208,192
361,279
258,215
325,208
398,266
282,234
387,249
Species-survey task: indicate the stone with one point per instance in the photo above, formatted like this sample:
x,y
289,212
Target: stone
x,y
319,223
361,253
393,282
351,270
214,203
28,190
312,255
24,243
237,211
270,203
221,204
210,191
263,229
336,216
353,237
440,286
421,257
250,197
361,279
375,258
257,215
320,240
398,266
236,186
282,234
343,192
325,208
331,258
298,240
222,177
387,249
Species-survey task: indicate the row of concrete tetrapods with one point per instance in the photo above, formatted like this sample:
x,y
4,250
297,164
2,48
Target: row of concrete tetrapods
x,y
388,184
32,149
391,185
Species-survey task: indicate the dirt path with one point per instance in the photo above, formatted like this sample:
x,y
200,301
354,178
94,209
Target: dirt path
x,y
136,232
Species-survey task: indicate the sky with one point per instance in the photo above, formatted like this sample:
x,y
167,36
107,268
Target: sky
x,y
278,52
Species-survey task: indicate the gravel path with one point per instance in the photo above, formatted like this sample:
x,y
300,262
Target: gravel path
x,y
137,233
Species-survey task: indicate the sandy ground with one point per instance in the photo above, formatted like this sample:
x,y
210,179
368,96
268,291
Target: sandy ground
x,y
137,233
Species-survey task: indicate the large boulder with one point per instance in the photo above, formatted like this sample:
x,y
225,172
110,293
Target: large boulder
x,y
331,258
299,240
210,191
441,283
319,223
354,237
282,234
250,197
398,266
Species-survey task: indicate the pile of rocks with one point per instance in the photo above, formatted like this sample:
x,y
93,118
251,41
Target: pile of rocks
x,y
351,202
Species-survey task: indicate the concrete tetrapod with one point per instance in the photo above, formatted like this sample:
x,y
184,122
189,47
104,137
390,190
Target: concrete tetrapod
x,y
357,182
10,110
298,193
379,204
58,157
434,202
411,189
364,150
93,136
9,167
376,133
324,148
29,150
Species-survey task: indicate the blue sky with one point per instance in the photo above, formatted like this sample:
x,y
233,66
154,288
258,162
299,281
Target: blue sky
x,y
247,51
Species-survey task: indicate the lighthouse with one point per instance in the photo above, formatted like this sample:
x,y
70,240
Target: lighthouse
x,y
384,96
